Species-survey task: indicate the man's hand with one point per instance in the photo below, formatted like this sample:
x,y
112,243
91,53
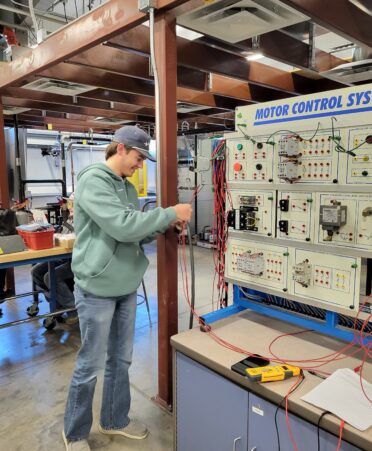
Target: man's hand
x,y
183,212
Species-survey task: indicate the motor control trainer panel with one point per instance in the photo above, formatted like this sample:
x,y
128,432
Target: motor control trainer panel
x,y
299,173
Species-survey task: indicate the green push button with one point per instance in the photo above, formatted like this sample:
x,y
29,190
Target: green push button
x,y
239,115
365,173
239,146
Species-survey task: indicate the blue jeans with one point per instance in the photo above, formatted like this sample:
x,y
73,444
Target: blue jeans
x,y
64,279
106,326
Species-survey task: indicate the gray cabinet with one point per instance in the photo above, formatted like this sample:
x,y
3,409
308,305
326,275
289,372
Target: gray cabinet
x,y
262,435
212,413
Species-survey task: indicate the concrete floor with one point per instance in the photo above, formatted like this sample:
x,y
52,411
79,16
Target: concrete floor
x,y
36,367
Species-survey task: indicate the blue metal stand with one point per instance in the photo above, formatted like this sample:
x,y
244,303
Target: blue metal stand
x,y
328,326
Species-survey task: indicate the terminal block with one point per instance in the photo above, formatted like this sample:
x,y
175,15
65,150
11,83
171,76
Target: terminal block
x,y
289,171
289,147
332,217
302,273
249,263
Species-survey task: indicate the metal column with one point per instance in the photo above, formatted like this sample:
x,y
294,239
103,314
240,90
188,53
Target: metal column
x,y
4,187
166,56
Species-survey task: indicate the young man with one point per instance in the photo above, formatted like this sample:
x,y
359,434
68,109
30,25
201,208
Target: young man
x,y
109,264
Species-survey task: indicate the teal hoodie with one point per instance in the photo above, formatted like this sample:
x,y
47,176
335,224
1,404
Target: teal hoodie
x,y
108,259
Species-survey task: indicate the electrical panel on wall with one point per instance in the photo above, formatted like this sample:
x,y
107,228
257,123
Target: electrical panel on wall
x,y
313,155
250,159
252,211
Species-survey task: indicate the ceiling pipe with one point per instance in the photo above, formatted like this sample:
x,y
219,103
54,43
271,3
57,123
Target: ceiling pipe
x,y
34,21
14,26
45,17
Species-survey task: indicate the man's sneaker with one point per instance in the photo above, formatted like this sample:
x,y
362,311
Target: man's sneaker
x,y
80,445
135,430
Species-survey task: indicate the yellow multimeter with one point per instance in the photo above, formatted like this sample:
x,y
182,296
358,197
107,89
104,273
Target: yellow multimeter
x,y
272,373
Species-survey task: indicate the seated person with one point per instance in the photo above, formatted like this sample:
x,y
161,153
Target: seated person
x,y
64,286
64,278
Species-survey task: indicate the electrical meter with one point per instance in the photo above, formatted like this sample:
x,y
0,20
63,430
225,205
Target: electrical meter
x,y
332,217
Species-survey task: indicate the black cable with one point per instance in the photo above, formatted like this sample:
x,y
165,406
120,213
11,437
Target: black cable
x,y
192,264
295,134
337,139
76,9
318,427
280,405
64,9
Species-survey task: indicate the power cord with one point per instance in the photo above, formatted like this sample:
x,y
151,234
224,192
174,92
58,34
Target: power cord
x,y
318,426
280,405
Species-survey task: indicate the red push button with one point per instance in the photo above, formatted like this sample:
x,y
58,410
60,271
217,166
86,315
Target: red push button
x,y
237,167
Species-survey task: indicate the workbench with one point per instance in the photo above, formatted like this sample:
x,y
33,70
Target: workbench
x,y
217,409
30,257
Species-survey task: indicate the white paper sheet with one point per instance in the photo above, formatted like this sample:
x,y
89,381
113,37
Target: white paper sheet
x,y
342,395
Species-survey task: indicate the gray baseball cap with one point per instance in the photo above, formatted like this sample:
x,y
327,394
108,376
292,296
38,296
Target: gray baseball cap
x,y
134,137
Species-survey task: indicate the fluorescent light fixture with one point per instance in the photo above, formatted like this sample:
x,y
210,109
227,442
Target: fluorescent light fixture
x,y
187,34
254,57
182,32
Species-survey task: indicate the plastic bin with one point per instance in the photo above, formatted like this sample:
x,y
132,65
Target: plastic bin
x,y
38,240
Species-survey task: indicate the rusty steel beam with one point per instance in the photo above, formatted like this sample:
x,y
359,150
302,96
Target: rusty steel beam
x,y
120,97
129,64
166,57
61,122
93,28
31,122
26,103
114,82
99,78
339,16
286,49
78,101
201,57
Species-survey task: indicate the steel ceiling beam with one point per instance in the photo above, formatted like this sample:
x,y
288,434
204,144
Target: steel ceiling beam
x,y
112,82
99,25
110,106
207,59
340,16
34,104
286,49
99,78
61,122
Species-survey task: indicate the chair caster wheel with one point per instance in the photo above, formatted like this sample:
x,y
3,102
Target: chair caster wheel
x,y
33,310
49,323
